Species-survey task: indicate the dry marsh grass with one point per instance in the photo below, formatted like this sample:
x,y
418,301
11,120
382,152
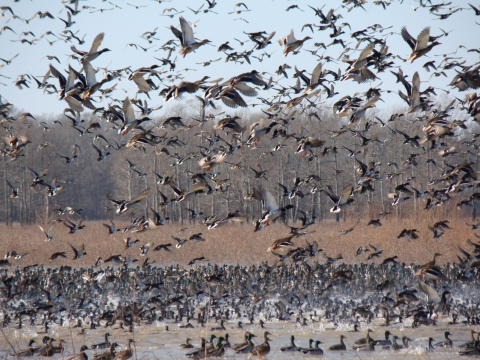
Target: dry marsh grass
x,y
238,244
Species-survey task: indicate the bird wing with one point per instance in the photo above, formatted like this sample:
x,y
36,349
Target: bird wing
x,y
415,89
89,73
117,202
464,252
363,167
370,102
197,187
285,40
187,32
50,232
316,142
96,43
422,39
128,112
34,172
222,123
317,71
72,75
74,150
141,82
178,191
68,224
365,52
58,75
246,90
257,194
335,199
98,150
285,189
219,158
79,52
42,229
432,294
177,33
140,196
374,248
269,37
346,193
232,99
253,126
75,105
46,76
74,250
408,38
290,38
269,199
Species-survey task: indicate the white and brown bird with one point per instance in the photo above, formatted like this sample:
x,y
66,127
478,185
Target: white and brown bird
x,y
123,205
419,45
291,44
341,201
186,37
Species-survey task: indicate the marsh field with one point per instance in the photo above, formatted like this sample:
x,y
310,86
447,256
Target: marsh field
x,y
238,243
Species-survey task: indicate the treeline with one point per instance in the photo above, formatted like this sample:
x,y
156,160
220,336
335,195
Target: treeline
x,y
85,181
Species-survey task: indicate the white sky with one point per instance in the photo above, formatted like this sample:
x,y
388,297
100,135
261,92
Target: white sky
x,y
125,25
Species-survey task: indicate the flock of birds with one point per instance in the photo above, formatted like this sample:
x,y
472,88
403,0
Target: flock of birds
x,y
216,300
256,295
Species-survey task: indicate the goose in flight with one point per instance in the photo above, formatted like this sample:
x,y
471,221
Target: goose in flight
x,y
290,43
343,200
271,209
93,53
419,45
123,205
187,40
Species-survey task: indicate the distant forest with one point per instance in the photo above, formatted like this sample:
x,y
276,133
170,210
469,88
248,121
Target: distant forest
x,y
67,153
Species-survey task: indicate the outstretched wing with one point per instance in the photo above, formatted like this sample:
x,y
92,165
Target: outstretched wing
x,y
96,43
432,294
346,193
128,112
269,200
98,150
75,251
58,75
177,33
140,196
422,39
365,52
408,38
187,32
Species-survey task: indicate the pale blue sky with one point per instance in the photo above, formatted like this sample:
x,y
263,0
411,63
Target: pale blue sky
x,y
122,26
